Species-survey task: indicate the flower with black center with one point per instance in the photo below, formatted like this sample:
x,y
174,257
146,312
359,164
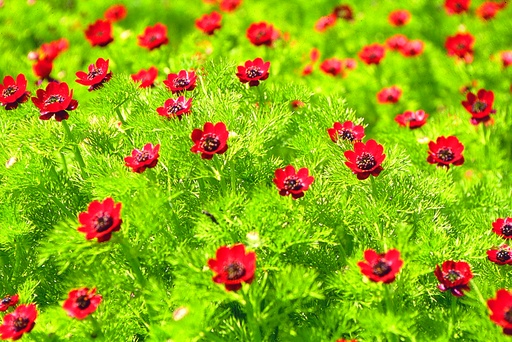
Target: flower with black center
x,y
456,6
208,23
365,159
153,37
21,321
13,92
503,227
82,302
506,58
372,54
100,220
396,42
140,160
381,267
389,95
97,75
399,17
445,151
501,255
412,119
461,46
489,9
212,139
56,100
115,13
344,12
291,182
8,301
325,22
454,276
253,72
262,34
146,77
332,66
99,33
501,310
412,48
229,5
479,106
346,131
175,107
233,266
180,82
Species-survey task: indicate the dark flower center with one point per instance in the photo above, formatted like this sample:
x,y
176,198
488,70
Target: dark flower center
x,y
452,276
103,222
461,46
503,255
180,82
53,99
365,161
381,268
94,73
6,300
506,230
210,142
9,90
235,270
83,302
346,134
152,39
508,315
293,183
20,323
174,109
478,107
390,97
142,156
253,72
445,154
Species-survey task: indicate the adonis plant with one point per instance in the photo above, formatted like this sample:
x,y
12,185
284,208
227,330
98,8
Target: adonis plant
x,y
226,170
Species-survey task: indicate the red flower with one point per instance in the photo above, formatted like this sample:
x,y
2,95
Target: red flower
x,y
500,256
314,55
332,66
115,13
445,151
56,100
479,106
365,159
389,95
503,227
343,340
53,49
211,140
396,42
82,302
399,17
208,23
372,54
233,266
98,74
501,310
140,160
229,5
412,119
19,322
412,48
175,107
506,58
180,82
253,71
100,220
350,63
292,183
146,77
8,301
344,12
456,6
346,131
262,34
454,276
297,104
488,10
99,33
325,22
153,37
43,68
381,267
460,45
13,92
308,69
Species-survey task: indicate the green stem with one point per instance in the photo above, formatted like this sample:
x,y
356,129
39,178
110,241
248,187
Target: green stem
x,y
252,321
96,327
133,261
388,297
76,150
453,309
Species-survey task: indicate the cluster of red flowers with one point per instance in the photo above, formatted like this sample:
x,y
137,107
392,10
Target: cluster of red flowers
x,y
486,11
45,56
343,12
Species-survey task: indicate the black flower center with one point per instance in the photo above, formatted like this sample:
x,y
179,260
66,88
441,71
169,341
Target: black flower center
x,y
365,161
180,82
94,73
503,255
20,323
253,72
235,270
478,106
103,222
210,142
508,315
452,276
293,183
174,109
507,230
83,302
445,154
381,268
461,46
142,156
346,134
9,90
6,300
53,99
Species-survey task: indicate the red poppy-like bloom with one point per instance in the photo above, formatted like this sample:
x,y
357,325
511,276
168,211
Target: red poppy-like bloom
x,y
99,33
456,6
233,266
140,160
21,321
146,77
82,302
460,45
314,55
100,220
115,13
479,106
53,49
344,12
208,23
488,10
308,69
365,159
372,54
253,71
454,276
297,104
350,63
325,22
501,256
212,139
501,310
343,340
98,74
389,95
503,227
56,100
346,131
262,34
8,301
332,66
290,182
445,151
381,267
42,68
412,48
506,58
412,119
229,5
180,82
396,42
13,92
399,17
175,107
153,37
